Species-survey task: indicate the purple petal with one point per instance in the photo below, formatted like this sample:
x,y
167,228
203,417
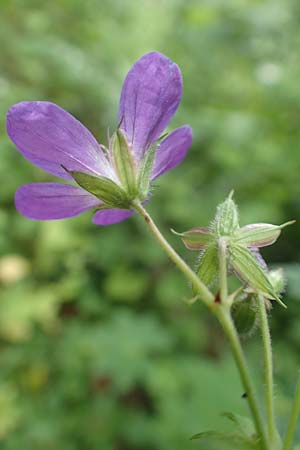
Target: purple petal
x,y
50,137
47,201
150,96
172,150
110,216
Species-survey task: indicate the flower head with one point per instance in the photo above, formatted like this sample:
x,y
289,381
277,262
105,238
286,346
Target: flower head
x,y
242,249
108,179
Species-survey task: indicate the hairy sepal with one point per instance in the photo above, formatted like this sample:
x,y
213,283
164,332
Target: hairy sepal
x,y
196,238
144,178
124,162
249,270
208,266
226,221
103,188
259,234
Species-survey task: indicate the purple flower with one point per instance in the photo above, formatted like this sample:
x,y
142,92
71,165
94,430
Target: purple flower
x,y
108,179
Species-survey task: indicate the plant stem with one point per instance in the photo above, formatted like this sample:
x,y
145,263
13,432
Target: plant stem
x,y
203,291
236,348
227,323
222,311
268,369
288,441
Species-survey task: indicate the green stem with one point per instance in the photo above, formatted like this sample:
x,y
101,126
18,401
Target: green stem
x,y
222,312
236,348
288,441
268,369
203,291
227,323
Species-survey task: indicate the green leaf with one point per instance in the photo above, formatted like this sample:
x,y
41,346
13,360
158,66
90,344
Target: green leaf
x,y
244,424
209,265
103,188
259,234
196,238
243,442
248,268
124,162
226,221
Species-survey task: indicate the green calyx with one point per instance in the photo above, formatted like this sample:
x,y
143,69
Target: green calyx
x,y
250,271
260,234
245,315
242,254
103,188
226,221
132,180
124,163
144,177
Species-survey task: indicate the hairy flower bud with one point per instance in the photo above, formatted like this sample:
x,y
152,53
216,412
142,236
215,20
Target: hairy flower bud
x,y
244,314
241,250
226,221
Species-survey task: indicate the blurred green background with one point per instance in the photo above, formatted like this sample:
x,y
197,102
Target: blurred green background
x,y
98,349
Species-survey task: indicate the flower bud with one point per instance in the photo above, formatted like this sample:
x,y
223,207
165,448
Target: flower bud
x,y
226,221
244,315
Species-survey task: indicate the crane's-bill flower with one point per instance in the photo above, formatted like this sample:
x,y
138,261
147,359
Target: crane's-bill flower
x,y
109,179
242,248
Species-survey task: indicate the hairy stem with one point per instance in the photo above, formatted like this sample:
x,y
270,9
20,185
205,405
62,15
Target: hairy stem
x,y
289,437
224,316
236,348
222,312
268,369
201,289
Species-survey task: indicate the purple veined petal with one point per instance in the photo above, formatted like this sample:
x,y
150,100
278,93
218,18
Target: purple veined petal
x,y
150,96
49,201
50,137
172,150
110,216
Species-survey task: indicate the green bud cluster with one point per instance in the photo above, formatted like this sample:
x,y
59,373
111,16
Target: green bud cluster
x,y
240,245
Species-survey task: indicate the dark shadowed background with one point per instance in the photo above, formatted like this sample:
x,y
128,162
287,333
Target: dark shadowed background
x,y
98,349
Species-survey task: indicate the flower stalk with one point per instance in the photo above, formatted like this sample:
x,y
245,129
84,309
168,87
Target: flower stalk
x,y
201,289
240,360
221,311
288,441
224,316
268,371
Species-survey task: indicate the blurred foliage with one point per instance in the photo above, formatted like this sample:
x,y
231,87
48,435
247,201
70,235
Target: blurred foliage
x,y
98,349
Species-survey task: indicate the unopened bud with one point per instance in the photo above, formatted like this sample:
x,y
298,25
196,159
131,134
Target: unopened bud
x,y
226,221
244,314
